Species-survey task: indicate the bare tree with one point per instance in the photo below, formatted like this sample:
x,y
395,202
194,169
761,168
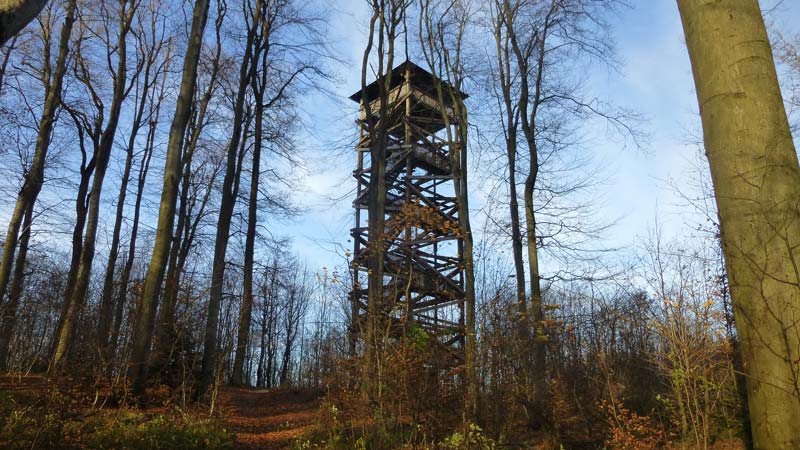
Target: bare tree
x,y
535,41
442,30
8,311
155,274
296,299
234,152
197,183
277,75
151,41
258,86
504,78
270,286
154,113
34,178
103,135
387,16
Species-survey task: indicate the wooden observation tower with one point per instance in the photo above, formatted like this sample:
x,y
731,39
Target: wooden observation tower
x,y
423,281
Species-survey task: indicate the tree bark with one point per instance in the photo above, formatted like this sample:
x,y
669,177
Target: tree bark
x,y
16,14
246,310
756,178
107,295
77,300
227,203
166,214
9,310
511,123
34,179
186,228
81,210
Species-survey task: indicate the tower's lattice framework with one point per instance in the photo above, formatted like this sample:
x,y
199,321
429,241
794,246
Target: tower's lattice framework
x,y
423,279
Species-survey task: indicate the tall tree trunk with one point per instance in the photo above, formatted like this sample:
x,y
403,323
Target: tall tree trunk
x,y
387,16
510,119
246,310
9,310
290,331
536,307
270,316
78,298
262,354
107,295
516,241
124,279
228,201
105,318
465,228
756,178
32,184
16,14
166,333
530,100
185,230
154,115
446,59
81,210
172,167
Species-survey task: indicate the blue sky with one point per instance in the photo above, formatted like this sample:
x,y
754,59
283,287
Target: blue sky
x,y
654,79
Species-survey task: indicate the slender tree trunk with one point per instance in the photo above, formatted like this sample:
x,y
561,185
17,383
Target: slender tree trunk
x,y
246,310
289,338
78,298
107,295
456,124
270,314
536,307
756,178
9,310
32,184
122,290
228,201
516,241
81,210
185,230
511,122
146,314
183,239
166,333
262,354
471,400
154,115
530,100
387,17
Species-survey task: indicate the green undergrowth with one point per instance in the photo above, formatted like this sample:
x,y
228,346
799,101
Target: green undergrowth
x,y
55,421
407,437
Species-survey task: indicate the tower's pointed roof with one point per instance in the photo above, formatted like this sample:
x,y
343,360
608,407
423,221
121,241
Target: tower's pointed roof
x,y
420,78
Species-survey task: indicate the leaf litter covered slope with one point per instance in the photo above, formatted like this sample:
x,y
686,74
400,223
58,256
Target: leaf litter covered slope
x,y
269,419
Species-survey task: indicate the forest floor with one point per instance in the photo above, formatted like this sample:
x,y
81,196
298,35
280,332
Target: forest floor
x,y
269,418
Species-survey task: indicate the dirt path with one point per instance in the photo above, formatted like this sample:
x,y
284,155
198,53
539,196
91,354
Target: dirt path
x,y
271,418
